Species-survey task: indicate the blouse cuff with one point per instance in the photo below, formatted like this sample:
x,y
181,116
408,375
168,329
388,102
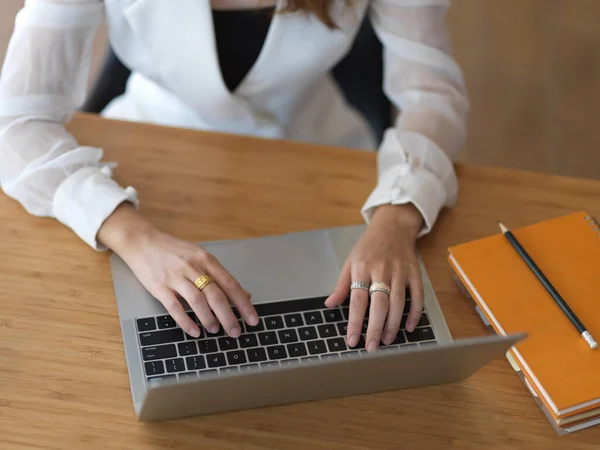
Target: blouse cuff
x,y
404,184
86,199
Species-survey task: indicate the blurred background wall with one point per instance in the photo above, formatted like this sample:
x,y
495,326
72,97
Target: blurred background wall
x,y
533,72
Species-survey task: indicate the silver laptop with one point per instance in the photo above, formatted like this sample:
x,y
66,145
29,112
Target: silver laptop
x,y
298,350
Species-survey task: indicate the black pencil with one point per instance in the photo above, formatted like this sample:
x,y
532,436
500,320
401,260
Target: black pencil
x,y
585,334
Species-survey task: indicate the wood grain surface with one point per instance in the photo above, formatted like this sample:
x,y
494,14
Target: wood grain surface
x,y
63,379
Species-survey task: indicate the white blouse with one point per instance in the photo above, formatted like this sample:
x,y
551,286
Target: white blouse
x,y
176,81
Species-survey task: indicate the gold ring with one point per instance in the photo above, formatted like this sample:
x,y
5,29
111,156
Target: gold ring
x,y
381,287
203,281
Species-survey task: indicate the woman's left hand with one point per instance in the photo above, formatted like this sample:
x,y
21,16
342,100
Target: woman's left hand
x,y
386,253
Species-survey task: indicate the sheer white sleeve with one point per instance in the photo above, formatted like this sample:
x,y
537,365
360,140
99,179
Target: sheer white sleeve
x,y
43,81
426,85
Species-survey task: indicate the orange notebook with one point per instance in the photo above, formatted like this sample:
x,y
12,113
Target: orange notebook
x,y
558,364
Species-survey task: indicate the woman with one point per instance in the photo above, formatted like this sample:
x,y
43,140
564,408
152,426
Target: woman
x,y
188,72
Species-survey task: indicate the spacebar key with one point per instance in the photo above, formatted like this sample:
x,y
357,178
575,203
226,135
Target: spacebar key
x,y
161,337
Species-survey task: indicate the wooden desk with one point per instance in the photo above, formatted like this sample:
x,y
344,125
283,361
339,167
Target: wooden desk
x,y
63,379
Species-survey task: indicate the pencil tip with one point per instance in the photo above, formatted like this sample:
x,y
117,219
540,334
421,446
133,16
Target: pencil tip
x,y
502,227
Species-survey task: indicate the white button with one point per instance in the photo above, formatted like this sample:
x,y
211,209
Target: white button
x,y
106,171
397,192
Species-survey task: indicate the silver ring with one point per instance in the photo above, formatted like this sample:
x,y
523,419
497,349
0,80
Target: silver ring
x,y
381,287
359,285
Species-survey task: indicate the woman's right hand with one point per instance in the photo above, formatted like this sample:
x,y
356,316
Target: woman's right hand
x,y
168,267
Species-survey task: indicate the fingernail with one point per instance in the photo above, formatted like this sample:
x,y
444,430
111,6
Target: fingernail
x,y
253,319
194,332
214,329
353,340
372,346
235,333
411,326
388,338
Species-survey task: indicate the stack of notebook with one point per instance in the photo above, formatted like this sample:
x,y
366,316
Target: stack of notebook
x,y
554,361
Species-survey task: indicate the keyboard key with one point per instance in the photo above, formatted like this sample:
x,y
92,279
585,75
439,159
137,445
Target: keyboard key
x,y
187,348
403,321
195,362
309,359
327,331
253,329
188,375
399,339
406,306
293,320
337,344
407,294
268,338
165,322
307,333
148,324
333,315
161,337
228,370
289,362
160,352
207,346
330,357
249,367
156,380
236,357
361,342
342,328
293,306
192,315
204,373
257,354
274,323
227,343
351,354
297,349
346,312
248,341
216,360
424,321
154,368
287,336
175,365
316,347
313,318
420,334
277,352
365,326
269,364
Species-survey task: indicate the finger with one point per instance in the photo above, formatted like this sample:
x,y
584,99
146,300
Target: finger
x,y
231,288
359,300
198,303
342,288
394,317
173,306
380,302
220,306
378,311
415,282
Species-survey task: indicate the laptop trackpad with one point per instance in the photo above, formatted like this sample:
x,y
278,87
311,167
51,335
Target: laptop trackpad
x,y
274,268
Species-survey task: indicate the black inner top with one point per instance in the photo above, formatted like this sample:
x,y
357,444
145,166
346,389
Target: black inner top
x,y
240,35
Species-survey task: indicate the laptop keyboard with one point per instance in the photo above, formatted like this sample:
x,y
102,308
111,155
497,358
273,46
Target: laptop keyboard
x,y
289,332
